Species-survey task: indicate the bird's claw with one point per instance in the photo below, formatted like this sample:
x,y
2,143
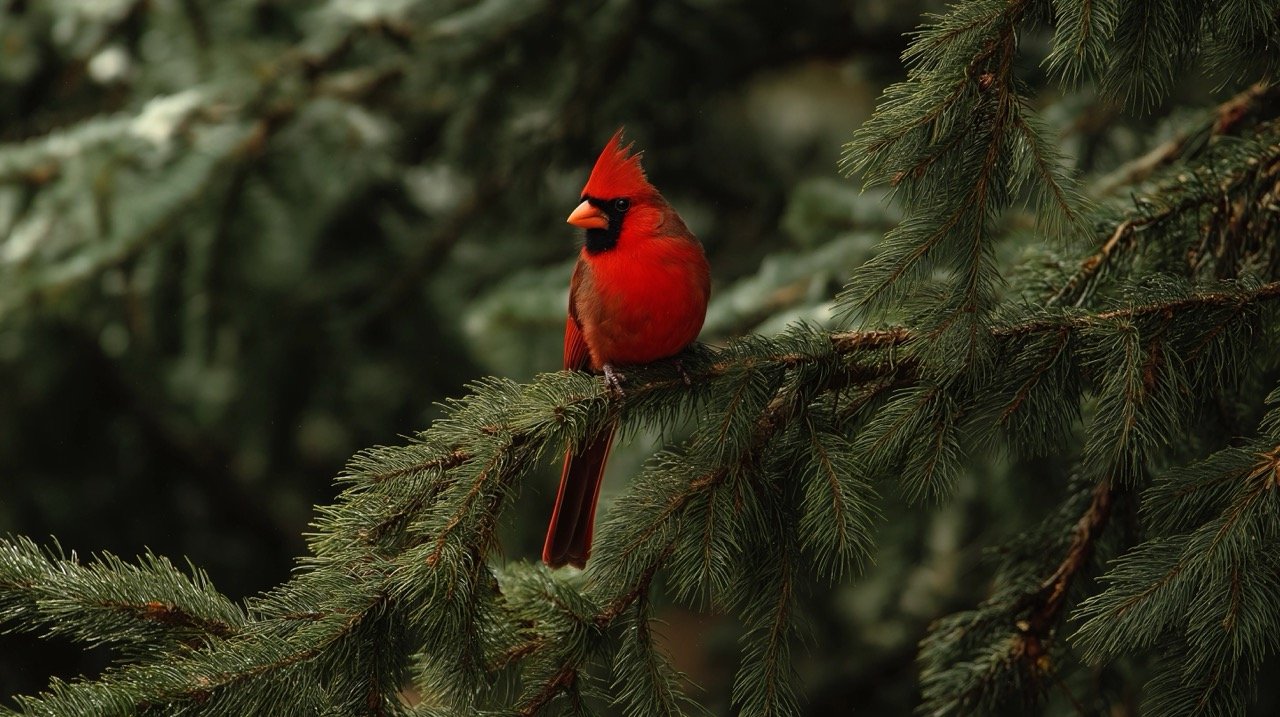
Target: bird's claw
x,y
613,380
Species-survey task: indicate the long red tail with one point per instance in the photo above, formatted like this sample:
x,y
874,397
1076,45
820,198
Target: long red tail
x,y
573,520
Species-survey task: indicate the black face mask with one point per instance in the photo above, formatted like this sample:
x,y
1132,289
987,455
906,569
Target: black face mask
x,y
599,240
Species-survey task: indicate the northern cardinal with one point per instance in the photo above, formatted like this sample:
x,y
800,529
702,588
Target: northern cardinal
x,y
638,294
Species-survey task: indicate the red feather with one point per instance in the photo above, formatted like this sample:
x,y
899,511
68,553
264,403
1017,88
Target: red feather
x,y
617,173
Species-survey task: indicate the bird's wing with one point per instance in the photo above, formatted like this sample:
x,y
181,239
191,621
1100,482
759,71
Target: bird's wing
x,y
576,355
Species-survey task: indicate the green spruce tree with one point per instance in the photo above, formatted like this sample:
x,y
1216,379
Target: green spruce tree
x,y
1084,348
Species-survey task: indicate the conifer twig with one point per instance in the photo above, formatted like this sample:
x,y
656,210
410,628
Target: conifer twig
x,y
1051,597
171,615
1224,119
852,342
1258,100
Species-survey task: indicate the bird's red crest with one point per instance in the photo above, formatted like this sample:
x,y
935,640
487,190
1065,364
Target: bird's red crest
x,y
617,172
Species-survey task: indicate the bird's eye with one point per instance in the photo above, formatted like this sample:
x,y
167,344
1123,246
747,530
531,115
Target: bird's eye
x,y
621,205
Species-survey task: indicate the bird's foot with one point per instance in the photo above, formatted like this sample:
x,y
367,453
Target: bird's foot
x,y
613,379
684,375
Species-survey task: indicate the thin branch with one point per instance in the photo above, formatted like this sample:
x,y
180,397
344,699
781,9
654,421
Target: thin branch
x,y
1036,630
852,342
1256,102
448,461
171,615
1091,265
1064,334
562,680
1225,119
1053,591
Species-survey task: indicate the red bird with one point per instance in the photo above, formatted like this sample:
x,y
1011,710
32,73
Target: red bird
x,y
638,294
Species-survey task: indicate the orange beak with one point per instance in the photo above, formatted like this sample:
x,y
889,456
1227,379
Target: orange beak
x,y
588,217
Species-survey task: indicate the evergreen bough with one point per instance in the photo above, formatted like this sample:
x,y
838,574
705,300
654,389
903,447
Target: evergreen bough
x,y
1134,340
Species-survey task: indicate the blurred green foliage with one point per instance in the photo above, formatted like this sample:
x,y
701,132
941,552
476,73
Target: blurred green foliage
x,y
241,240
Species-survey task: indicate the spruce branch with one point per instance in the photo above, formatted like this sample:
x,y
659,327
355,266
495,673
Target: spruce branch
x,y
647,683
1001,654
1204,583
1093,264
142,609
1061,342
654,535
1233,192
764,684
853,342
202,675
1081,33
1048,603
837,502
1152,41
960,146
631,552
1257,102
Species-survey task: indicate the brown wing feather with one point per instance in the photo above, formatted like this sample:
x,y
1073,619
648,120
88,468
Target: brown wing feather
x,y
576,354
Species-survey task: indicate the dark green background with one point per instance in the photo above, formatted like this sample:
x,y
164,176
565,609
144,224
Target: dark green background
x,y
241,240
